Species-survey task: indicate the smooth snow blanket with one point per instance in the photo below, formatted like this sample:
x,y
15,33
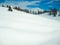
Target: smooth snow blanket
x,y
20,28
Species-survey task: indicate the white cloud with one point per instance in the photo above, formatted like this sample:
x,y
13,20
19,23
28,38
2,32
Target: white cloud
x,y
49,2
22,4
53,1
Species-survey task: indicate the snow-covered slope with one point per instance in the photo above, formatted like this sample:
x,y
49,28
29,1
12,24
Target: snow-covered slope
x,y
46,15
20,28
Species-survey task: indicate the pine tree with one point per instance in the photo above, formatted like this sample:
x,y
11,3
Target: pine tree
x,y
50,11
26,10
59,12
15,7
2,5
7,6
38,12
10,9
54,12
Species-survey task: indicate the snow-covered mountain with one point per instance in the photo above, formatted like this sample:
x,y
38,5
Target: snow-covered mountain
x,y
20,28
35,10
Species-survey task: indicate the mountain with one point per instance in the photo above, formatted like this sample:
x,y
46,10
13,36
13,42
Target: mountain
x,y
36,9
20,28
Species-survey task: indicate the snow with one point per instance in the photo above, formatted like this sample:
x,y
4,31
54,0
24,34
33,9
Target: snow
x,y
35,10
20,28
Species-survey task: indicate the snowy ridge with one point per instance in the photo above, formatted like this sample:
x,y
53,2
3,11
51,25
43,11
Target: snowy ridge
x,y
20,28
37,9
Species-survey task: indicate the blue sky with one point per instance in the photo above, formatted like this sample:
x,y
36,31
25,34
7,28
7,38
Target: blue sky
x,y
43,4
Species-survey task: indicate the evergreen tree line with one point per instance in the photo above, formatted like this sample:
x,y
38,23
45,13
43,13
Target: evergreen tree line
x,y
19,9
24,10
53,12
50,11
9,7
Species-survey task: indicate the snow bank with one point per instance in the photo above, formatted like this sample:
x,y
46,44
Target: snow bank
x,y
20,28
